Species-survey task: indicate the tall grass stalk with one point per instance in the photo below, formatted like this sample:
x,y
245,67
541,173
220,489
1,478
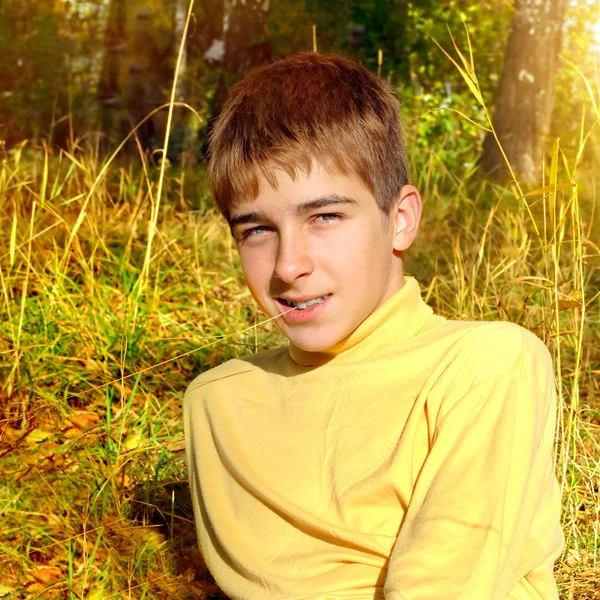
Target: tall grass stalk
x,y
164,152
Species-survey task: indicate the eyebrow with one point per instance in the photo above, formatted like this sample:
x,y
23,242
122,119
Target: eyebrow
x,y
301,209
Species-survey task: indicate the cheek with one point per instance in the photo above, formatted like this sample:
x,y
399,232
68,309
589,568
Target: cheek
x,y
366,252
255,268
370,262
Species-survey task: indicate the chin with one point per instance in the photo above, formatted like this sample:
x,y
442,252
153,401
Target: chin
x,y
314,343
308,347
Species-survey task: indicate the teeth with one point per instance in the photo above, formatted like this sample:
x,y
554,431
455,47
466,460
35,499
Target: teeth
x,y
303,305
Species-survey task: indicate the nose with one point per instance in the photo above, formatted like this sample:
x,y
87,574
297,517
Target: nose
x,y
293,259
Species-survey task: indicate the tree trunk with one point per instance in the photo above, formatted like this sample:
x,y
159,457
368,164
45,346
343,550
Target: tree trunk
x,y
523,103
137,68
108,94
181,10
244,28
244,47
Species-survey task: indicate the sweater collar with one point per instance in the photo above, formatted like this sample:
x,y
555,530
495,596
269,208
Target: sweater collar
x,y
398,319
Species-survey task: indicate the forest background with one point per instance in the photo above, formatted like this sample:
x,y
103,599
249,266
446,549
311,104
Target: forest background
x,y
119,282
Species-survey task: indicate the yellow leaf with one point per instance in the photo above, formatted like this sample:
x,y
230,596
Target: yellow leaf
x,y
573,558
568,303
97,594
574,300
37,436
177,446
133,442
550,188
148,535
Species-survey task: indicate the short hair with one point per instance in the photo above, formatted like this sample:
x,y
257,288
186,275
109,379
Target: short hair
x,y
306,107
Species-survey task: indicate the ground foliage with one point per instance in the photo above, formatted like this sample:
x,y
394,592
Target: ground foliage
x,y
113,297
100,334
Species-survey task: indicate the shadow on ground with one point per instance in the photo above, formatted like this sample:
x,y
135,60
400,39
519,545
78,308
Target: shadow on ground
x,y
165,507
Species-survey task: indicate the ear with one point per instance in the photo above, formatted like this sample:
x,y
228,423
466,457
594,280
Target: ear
x,y
406,216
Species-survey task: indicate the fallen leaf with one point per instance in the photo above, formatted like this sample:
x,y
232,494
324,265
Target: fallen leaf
x,y
53,519
97,594
11,434
585,574
5,591
36,436
126,481
177,446
72,432
133,442
577,295
568,303
205,588
47,574
84,419
573,558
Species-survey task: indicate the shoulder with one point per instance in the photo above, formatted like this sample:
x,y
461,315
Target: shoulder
x,y
497,336
235,372
500,348
493,361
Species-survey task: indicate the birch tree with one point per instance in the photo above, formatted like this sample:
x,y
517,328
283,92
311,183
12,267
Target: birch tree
x,y
244,29
524,99
141,43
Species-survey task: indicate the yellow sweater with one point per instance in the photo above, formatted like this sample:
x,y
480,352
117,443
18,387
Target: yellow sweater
x,y
414,461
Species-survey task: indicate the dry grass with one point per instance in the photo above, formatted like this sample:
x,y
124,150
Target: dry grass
x,y
94,500
119,284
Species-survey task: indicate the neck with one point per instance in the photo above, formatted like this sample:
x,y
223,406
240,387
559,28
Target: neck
x,y
398,317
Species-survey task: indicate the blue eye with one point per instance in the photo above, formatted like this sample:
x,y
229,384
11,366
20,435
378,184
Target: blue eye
x,y
254,231
328,217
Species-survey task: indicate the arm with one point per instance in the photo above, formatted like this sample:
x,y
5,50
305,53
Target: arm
x,y
466,532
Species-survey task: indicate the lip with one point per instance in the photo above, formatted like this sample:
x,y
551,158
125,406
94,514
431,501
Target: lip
x,y
302,315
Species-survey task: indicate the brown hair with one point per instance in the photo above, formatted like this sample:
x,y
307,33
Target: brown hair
x,y
309,106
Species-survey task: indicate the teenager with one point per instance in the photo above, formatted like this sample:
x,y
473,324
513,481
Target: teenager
x,y
386,452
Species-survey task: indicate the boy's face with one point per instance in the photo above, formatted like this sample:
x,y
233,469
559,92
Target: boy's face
x,y
322,244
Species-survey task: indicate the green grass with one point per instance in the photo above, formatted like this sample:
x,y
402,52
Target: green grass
x,y
119,284
91,453
94,500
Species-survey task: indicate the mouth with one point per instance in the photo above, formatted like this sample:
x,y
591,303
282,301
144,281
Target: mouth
x,y
303,304
296,312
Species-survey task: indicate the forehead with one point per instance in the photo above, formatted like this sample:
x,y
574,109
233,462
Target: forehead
x,y
287,191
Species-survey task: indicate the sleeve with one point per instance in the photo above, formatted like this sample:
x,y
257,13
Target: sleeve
x,y
466,528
